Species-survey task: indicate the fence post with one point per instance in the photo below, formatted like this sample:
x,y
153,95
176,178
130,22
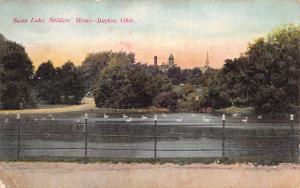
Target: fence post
x,y
223,135
85,137
292,135
155,135
18,136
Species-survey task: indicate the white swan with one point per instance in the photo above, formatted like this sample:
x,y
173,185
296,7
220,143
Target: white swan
x,y
105,116
124,116
164,115
235,114
180,119
144,117
259,117
205,119
129,120
245,120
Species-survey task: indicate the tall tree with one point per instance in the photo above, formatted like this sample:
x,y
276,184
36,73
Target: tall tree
x,y
16,75
48,84
125,85
94,63
72,90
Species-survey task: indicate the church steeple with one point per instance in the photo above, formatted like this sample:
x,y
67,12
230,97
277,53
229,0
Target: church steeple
x,y
171,60
207,61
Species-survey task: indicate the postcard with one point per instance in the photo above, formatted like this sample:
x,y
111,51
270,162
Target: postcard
x,y
137,93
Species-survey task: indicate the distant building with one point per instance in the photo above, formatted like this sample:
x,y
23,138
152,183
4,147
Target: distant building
x,y
155,61
204,69
171,60
171,63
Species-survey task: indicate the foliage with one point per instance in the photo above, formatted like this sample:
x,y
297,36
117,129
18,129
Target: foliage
x,y
166,99
126,85
16,73
192,76
47,83
94,63
265,77
174,74
72,90
62,85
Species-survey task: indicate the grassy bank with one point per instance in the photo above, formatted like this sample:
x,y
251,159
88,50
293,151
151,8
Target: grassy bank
x,y
235,109
269,161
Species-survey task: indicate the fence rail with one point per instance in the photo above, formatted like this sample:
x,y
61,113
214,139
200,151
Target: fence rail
x,y
155,136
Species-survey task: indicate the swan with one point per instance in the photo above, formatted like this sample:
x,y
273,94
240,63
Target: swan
x,y
164,115
105,116
6,120
124,116
259,117
245,120
144,117
180,119
235,114
205,119
129,120
78,121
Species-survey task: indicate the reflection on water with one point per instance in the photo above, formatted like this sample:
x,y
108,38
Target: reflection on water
x,y
197,135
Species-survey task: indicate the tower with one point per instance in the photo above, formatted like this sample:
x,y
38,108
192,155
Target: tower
x,y
155,61
171,60
207,61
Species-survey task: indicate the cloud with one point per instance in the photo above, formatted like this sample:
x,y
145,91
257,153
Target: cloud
x,y
127,45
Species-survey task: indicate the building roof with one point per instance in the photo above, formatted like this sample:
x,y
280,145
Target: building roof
x,y
171,57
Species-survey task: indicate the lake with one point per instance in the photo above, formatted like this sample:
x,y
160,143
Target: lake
x,y
175,135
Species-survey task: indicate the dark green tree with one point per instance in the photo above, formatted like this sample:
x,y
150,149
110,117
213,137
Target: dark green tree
x,y
166,99
94,63
174,74
126,85
16,76
113,87
71,84
48,85
192,76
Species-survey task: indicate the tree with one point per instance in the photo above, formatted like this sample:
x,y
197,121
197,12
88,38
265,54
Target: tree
x,y
72,90
209,76
126,85
166,99
271,63
113,87
94,63
265,77
192,76
174,74
16,76
48,84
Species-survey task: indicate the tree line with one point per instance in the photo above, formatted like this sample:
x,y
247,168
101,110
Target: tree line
x,y
264,77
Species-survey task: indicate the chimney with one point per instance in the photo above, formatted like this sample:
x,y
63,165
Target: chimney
x,y
155,60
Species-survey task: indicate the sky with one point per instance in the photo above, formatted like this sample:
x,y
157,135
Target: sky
x,y
187,29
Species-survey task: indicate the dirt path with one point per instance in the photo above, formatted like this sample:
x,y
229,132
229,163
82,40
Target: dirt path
x,y
73,175
87,104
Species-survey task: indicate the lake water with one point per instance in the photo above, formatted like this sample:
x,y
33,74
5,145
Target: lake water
x,y
177,135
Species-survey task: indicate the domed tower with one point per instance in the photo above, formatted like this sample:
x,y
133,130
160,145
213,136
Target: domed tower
x,y
171,60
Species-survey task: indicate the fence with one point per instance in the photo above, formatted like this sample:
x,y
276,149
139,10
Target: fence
x,y
191,140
